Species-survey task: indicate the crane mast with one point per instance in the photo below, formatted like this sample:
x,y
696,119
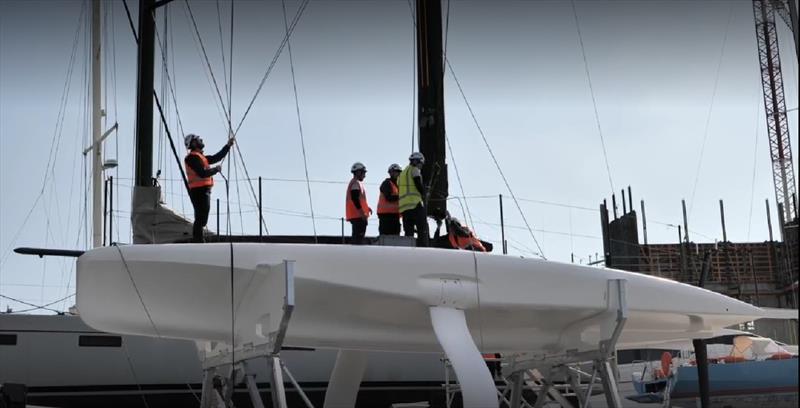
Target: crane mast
x,y
775,107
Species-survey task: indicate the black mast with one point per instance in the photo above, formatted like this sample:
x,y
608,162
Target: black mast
x,y
144,94
430,92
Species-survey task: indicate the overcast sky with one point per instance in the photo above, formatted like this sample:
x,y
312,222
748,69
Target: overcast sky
x,y
664,86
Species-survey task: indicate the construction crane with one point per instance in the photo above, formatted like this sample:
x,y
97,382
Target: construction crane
x,y
774,102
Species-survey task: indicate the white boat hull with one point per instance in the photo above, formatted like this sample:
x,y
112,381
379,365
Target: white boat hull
x,y
378,298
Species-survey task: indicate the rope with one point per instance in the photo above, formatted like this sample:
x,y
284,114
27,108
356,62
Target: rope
x,y
299,122
465,208
710,110
591,91
136,288
133,372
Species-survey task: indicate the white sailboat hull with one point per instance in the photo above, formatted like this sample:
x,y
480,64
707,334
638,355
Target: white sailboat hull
x,y
378,298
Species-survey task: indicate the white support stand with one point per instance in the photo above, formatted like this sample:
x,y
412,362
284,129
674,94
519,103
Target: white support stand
x,y
218,391
562,367
345,379
476,383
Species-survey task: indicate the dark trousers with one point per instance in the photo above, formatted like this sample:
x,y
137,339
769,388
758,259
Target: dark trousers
x,y
389,224
417,217
201,201
359,230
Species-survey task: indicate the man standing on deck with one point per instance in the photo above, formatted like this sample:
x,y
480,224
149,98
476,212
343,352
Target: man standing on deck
x,y
412,206
357,210
389,203
200,177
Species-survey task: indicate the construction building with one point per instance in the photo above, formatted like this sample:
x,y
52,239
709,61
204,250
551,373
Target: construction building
x,y
761,273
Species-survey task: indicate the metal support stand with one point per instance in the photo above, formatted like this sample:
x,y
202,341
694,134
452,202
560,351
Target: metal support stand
x,y
563,368
218,390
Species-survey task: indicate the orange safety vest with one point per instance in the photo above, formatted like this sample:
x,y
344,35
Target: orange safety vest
x,y
351,212
387,207
193,178
460,242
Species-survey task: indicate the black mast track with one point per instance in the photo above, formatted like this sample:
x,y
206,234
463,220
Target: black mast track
x,y
144,94
430,93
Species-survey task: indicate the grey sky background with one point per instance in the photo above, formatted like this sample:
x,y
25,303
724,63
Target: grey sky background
x,y
653,65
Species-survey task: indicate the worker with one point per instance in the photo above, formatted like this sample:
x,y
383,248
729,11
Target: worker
x,y
389,203
199,175
461,236
357,210
412,206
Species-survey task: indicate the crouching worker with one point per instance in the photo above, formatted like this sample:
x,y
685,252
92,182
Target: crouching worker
x,y
460,236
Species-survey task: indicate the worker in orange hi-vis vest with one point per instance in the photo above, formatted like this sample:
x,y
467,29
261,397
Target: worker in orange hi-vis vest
x,y
200,176
389,203
357,210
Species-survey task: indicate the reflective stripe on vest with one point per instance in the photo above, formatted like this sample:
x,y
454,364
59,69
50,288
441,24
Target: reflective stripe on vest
x,y
193,178
389,207
409,195
351,212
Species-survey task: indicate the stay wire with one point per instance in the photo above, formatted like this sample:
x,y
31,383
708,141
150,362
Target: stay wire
x,y
34,306
591,92
710,110
272,63
494,159
56,133
299,122
207,61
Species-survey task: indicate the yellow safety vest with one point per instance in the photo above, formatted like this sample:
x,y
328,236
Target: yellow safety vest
x,y
409,195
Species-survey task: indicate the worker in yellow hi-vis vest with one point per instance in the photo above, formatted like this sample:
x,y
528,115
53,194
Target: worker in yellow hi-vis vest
x,y
412,204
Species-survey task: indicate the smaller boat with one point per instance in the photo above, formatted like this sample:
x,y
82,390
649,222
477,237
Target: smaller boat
x,y
745,370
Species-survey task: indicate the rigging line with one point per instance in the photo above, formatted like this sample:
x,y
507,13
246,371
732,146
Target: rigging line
x,y
299,121
710,110
62,106
170,82
755,162
414,123
272,63
130,21
222,47
458,177
136,288
135,377
44,306
494,159
207,61
238,193
591,91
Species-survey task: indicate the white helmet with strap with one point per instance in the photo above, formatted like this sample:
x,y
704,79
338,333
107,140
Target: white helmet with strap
x,y
395,167
357,166
417,156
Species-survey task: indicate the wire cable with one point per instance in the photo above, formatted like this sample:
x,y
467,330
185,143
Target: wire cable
x,y
299,121
710,110
591,91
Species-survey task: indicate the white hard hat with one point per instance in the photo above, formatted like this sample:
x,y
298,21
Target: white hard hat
x,y
417,156
357,166
395,167
187,140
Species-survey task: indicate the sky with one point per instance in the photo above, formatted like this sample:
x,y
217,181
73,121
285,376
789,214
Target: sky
x,y
675,84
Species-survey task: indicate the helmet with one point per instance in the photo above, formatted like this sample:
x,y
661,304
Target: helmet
x,y
417,156
395,167
188,139
357,166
